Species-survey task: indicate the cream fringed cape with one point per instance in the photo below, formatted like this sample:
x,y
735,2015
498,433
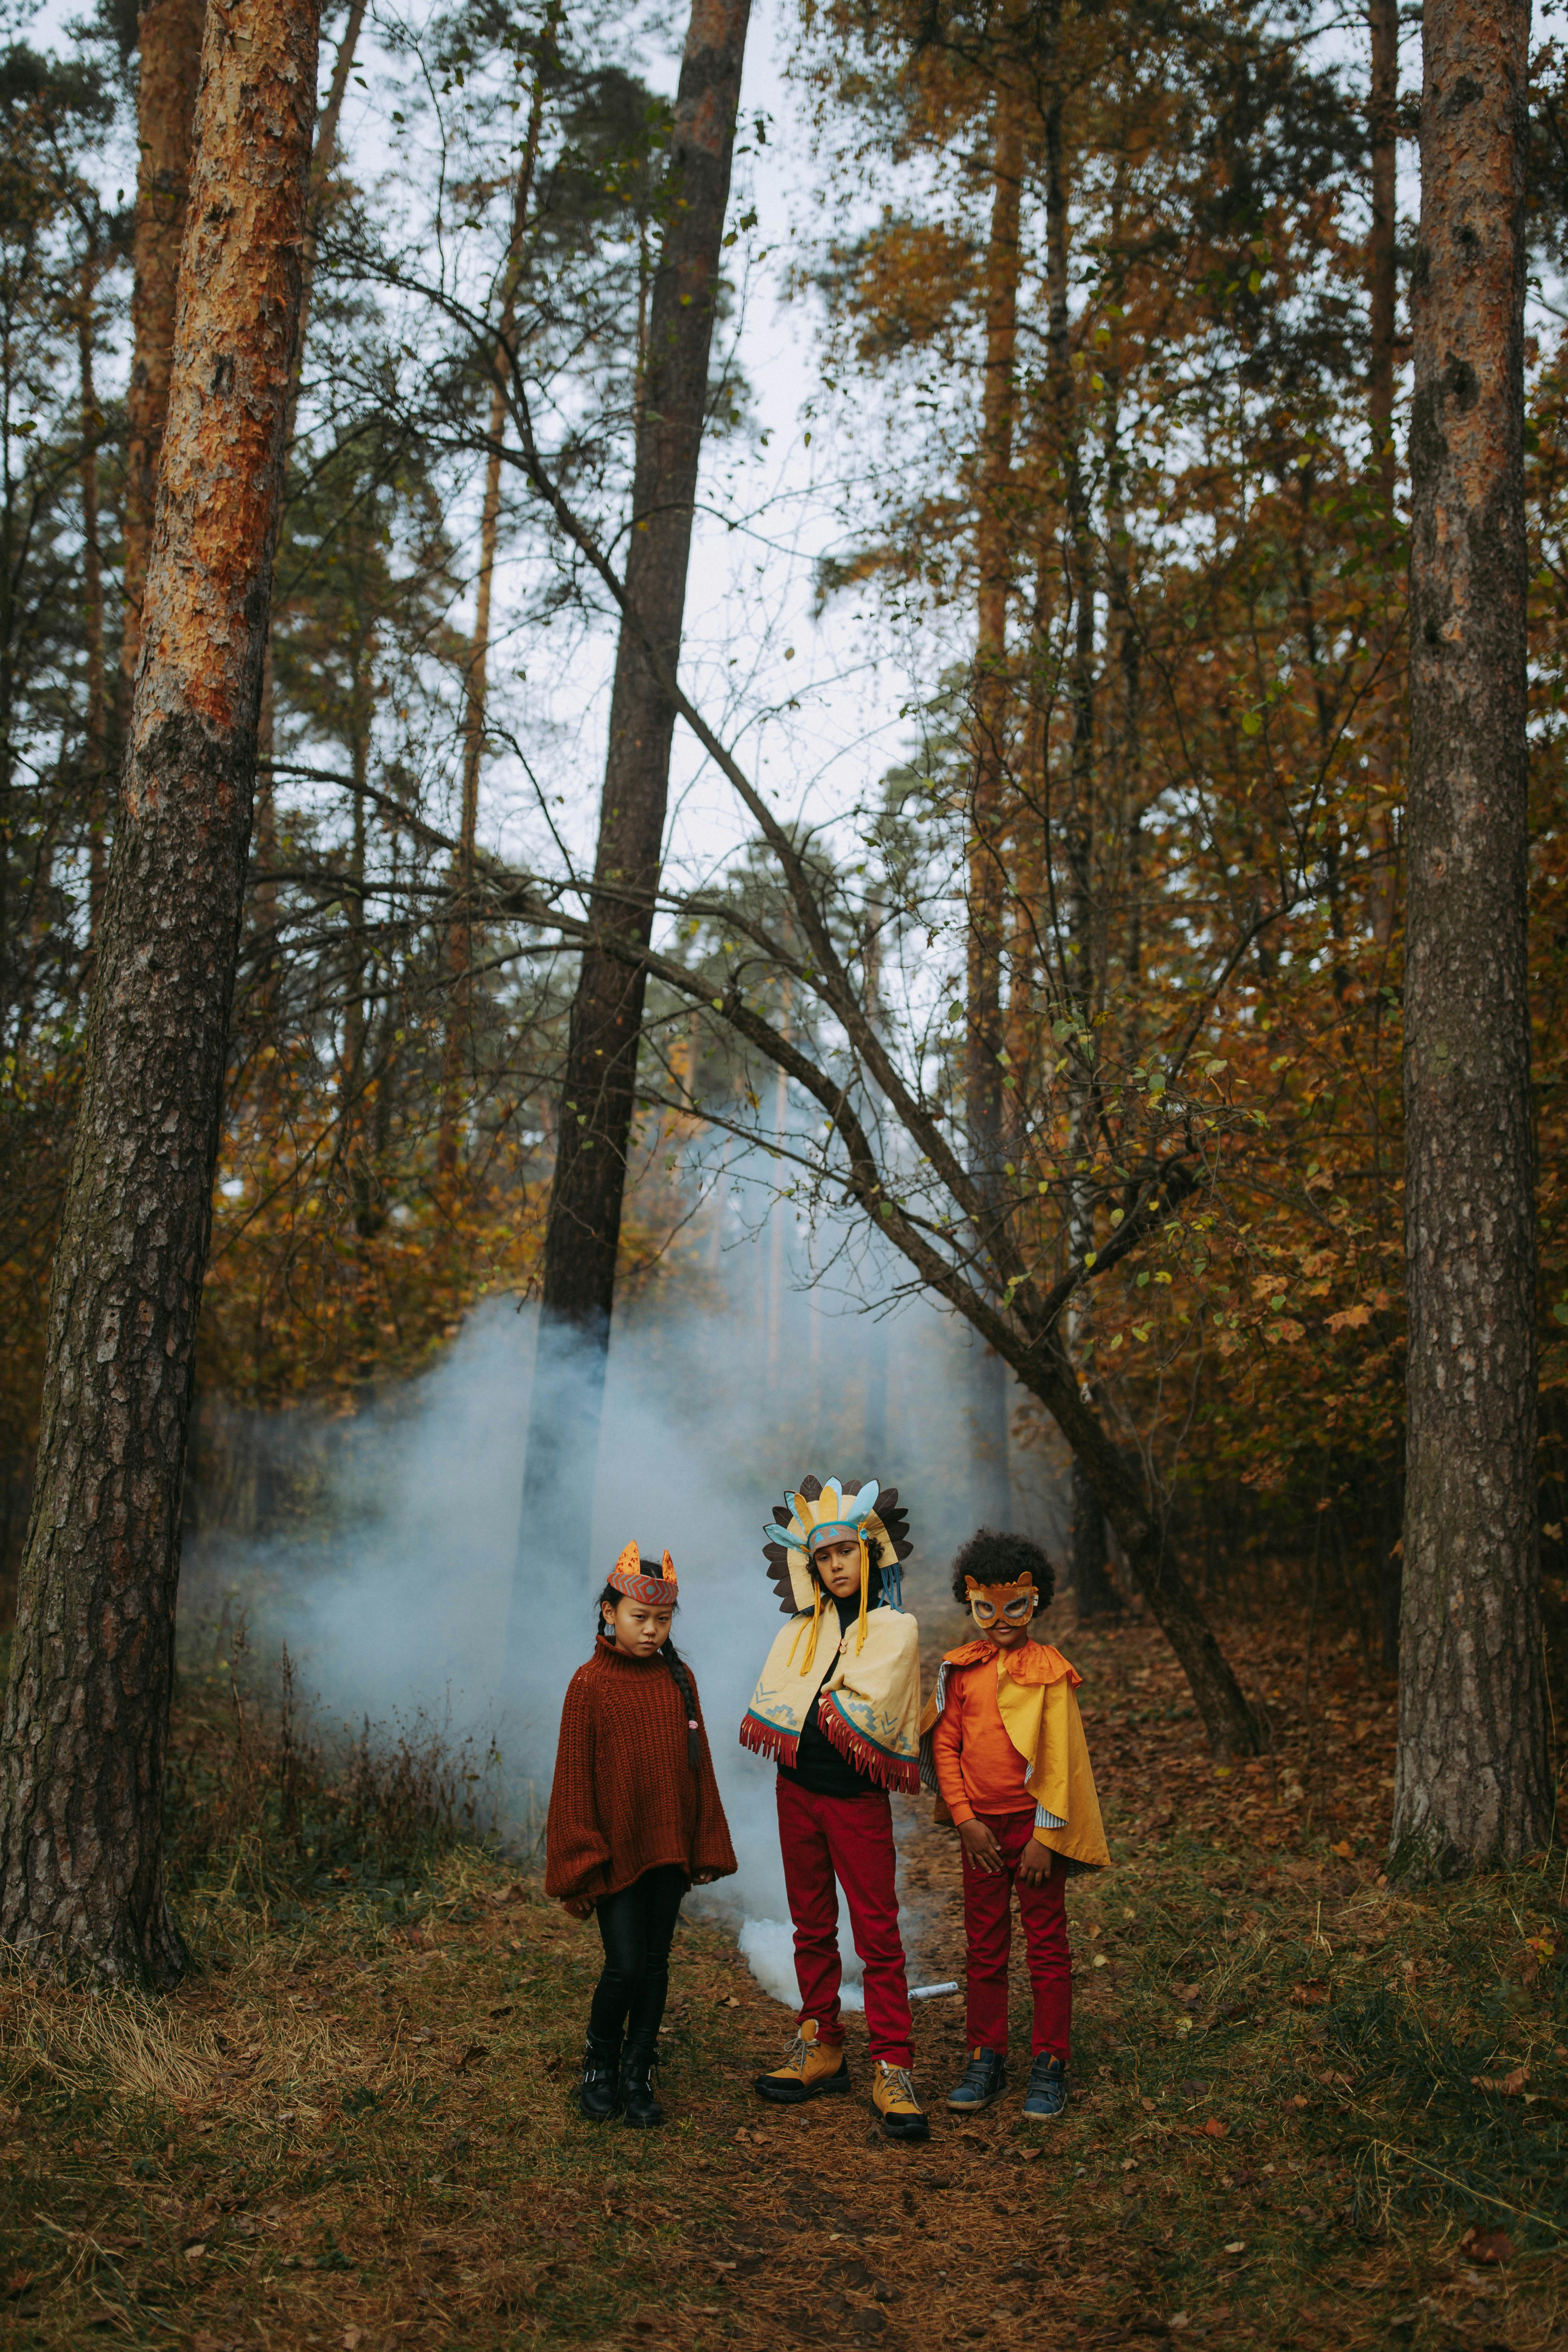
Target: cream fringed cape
x,y
1036,1693
871,1702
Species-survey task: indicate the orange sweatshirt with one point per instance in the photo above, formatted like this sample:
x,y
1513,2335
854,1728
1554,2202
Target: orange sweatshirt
x,y
978,1770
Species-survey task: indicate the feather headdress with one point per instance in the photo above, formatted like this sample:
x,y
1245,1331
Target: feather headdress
x,y
835,1510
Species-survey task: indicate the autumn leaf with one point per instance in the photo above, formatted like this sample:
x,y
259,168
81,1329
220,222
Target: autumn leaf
x,y
1308,1996
1509,2085
1351,1318
1486,2245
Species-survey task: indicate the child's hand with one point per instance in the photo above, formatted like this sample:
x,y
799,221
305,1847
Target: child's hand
x,y
578,1906
980,1846
1035,1863
703,1877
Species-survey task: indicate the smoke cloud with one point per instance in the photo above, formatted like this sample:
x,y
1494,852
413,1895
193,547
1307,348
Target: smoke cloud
x,y
398,1595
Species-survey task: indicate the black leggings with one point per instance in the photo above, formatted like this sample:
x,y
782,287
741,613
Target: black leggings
x,y
638,1925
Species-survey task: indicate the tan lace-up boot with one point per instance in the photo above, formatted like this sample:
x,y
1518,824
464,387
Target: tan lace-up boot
x,y
811,2068
893,2096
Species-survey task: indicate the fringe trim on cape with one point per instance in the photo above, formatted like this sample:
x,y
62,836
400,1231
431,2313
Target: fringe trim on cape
x,y
879,1763
767,1739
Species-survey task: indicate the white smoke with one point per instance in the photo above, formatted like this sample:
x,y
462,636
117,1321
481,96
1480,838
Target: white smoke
x,y
399,1596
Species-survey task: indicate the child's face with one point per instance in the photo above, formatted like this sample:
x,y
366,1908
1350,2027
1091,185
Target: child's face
x,y
639,1631
1003,1613
838,1565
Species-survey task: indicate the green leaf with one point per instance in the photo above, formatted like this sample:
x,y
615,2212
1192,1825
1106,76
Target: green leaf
x,y
1252,724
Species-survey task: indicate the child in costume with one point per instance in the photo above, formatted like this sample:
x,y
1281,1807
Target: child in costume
x,y
837,1706
635,1820
1001,1742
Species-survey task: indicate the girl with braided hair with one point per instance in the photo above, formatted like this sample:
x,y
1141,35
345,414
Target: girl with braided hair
x,y
635,1820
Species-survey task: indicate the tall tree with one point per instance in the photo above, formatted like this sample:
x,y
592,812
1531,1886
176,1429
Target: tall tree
x,y
82,1889
1472,1786
598,1094
1382,119
169,38
994,535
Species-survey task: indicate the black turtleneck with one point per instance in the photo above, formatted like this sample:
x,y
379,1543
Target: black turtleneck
x,y
818,1765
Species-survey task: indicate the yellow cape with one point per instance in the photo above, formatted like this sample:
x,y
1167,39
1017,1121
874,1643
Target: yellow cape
x,y
1036,1693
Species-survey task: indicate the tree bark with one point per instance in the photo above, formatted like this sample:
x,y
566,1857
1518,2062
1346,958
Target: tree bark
x,y
324,156
1096,1596
1472,1788
169,38
96,729
994,580
588,1191
984,1076
81,1888
1383,125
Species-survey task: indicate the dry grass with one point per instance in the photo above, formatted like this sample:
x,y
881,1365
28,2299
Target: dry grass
x,y
353,2127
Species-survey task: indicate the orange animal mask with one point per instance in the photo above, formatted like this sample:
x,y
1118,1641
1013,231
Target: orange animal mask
x,y
1001,1604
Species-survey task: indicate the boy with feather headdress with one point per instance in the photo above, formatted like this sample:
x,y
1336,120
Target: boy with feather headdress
x,y
837,1706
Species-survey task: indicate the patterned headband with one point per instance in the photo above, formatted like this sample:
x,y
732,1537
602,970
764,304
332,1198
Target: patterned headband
x,y
653,1591
836,1531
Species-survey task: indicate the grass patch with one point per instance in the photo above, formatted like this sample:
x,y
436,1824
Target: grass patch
x,y
1307,2110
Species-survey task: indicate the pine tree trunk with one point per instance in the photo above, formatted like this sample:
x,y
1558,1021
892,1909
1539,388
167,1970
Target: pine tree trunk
x,y
1096,1596
984,1086
993,576
169,38
323,155
1383,124
1472,1787
598,1097
97,729
81,1771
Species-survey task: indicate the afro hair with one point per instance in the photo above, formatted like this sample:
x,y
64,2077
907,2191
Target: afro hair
x,y
992,1558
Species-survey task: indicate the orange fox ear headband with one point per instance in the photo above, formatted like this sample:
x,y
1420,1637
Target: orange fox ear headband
x,y
653,1591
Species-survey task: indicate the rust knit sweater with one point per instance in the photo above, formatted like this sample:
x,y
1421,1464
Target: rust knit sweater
x,y
625,1799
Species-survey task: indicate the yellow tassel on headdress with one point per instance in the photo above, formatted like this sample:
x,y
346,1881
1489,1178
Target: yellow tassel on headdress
x,y
864,1591
810,1658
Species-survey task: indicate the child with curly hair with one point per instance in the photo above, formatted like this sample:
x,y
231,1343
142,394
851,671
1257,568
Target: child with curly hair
x,y
1002,1744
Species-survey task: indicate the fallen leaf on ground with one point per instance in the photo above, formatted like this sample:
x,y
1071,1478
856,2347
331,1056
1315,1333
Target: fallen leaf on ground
x,y
1486,2245
1510,2085
1309,1996
1213,2129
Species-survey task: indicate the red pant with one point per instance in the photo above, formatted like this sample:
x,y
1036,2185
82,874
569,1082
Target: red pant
x,y
988,1929
849,1839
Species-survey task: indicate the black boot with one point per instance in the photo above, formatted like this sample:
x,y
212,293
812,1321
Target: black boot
x,y
639,2100
598,2093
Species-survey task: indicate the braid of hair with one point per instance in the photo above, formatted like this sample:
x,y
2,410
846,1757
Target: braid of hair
x,y
677,1666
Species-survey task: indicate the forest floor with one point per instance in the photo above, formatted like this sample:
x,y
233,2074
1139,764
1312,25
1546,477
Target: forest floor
x,y
1307,2109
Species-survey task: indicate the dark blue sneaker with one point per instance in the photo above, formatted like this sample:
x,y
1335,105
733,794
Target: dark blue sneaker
x,y
981,2082
1048,2092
